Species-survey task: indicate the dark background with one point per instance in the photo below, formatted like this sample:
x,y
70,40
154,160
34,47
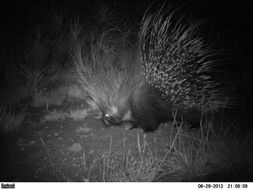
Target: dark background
x,y
18,17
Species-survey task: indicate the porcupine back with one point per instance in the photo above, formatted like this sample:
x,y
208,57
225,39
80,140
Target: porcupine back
x,y
178,64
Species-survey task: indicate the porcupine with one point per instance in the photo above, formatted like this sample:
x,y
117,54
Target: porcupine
x,y
176,74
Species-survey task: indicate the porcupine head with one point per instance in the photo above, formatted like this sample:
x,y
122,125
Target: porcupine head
x,y
127,100
135,105
111,90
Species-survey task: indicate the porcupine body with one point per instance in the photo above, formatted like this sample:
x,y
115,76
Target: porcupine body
x,y
174,72
179,67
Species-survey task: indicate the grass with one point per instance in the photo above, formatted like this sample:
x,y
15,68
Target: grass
x,y
56,96
191,157
57,172
53,98
10,120
123,166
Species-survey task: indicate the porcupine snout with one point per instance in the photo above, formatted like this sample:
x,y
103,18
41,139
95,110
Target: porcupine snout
x,y
116,115
110,116
111,120
113,116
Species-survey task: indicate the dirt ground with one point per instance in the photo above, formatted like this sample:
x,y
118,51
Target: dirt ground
x,y
66,150
44,150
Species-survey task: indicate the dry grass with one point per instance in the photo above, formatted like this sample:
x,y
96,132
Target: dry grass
x,y
34,78
190,157
10,120
124,166
57,96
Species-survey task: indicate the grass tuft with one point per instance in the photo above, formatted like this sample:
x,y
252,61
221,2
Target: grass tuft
x,y
10,120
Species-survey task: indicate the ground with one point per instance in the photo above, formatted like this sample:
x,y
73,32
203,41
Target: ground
x,y
68,142
66,150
